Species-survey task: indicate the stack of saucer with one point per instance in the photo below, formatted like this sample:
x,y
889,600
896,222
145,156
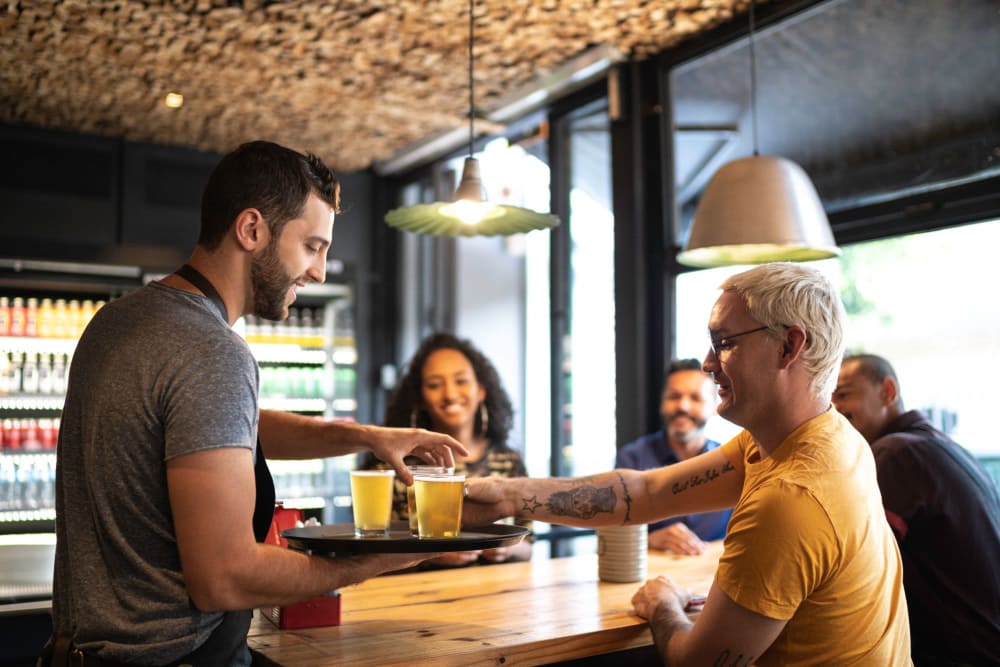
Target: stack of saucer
x,y
621,553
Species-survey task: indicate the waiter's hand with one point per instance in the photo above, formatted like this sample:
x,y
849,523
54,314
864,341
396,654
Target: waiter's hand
x,y
676,538
391,562
392,445
457,558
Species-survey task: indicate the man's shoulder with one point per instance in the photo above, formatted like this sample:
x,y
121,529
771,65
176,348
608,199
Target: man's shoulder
x,y
907,433
647,441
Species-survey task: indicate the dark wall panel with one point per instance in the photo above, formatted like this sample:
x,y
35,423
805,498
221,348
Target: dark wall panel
x,y
56,189
83,198
161,194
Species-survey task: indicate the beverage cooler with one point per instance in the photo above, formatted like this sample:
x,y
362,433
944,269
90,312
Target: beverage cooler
x,y
307,365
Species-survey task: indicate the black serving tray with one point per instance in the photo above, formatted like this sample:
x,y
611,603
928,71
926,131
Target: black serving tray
x,y
340,538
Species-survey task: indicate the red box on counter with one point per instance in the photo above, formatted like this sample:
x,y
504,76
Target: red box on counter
x,y
312,613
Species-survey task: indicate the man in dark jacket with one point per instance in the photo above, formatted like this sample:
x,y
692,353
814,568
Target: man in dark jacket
x,y
944,510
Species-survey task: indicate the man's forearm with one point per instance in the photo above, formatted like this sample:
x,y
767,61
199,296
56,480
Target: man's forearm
x,y
273,575
667,624
598,500
621,496
284,435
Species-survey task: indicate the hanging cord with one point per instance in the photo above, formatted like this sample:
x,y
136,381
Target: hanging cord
x,y
753,81
472,107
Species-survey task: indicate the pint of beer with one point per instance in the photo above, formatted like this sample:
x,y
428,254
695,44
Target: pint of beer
x,y
371,498
411,500
439,504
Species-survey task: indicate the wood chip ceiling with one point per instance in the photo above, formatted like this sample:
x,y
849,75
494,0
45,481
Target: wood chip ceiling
x,y
354,81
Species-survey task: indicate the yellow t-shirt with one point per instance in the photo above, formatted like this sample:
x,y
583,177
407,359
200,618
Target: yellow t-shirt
x,y
808,542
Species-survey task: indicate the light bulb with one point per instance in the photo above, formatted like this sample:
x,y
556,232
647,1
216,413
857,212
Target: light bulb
x,y
471,212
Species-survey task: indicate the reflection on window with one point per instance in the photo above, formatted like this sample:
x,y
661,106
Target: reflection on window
x,y
589,354
922,301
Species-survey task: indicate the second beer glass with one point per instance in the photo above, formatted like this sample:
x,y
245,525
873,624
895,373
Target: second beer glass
x,y
411,500
439,504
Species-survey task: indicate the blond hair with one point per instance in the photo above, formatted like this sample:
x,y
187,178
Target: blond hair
x,y
783,294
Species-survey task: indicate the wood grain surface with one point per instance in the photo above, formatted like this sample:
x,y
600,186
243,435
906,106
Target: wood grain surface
x,y
531,613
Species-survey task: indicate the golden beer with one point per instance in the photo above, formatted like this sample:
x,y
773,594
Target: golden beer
x,y
411,500
371,498
439,504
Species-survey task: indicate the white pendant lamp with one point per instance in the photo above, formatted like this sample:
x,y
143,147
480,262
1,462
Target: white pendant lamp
x,y
469,213
758,209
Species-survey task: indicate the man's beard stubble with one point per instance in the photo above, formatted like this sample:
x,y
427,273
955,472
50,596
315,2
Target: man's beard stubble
x,y
685,436
270,284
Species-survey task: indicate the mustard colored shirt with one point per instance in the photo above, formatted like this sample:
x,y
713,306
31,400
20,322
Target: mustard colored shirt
x,y
809,543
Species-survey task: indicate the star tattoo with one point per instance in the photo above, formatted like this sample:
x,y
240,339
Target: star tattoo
x,y
531,504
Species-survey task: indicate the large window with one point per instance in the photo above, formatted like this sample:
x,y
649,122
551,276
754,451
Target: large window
x,y
589,346
922,301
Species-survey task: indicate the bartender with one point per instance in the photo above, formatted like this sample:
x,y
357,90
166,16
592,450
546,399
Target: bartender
x,y
161,478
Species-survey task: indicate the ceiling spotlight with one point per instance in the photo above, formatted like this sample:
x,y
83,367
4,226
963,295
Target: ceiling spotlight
x,y
174,100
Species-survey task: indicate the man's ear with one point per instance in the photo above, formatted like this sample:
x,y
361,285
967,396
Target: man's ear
x,y
889,391
251,230
792,345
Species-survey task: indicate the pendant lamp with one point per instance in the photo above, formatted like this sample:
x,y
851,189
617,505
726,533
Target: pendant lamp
x,y
469,213
758,209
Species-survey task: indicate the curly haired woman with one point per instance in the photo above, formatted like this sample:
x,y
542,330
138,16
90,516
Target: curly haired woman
x,y
451,387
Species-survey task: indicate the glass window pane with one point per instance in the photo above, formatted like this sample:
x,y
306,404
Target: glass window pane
x,y
589,415
502,295
924,302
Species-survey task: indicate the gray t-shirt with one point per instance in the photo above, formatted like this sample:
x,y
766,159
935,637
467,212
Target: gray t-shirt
x,y
157,374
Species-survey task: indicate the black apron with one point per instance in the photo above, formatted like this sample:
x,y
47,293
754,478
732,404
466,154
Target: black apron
x,y
227,643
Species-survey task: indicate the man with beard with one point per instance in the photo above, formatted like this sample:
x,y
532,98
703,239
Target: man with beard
x,y
162,493
687,403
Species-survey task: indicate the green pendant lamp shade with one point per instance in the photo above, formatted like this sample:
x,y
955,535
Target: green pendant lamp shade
x,y
468,213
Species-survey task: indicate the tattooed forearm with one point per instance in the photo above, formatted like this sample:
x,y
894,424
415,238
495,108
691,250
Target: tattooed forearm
x,y
530,505
701,478
583,502
626,497
664,624
727,659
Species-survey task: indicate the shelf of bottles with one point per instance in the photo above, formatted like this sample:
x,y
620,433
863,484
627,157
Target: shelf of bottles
x,y
307,365
37,339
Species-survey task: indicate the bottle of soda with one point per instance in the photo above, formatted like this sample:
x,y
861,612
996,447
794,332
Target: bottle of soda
x,y
4,316
31,318
29,374
17,317
46,319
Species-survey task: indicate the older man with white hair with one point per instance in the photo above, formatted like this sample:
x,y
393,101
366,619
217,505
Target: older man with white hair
x,y
810,573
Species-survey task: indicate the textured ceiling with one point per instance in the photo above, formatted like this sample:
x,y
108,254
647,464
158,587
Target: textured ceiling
x,y
353,81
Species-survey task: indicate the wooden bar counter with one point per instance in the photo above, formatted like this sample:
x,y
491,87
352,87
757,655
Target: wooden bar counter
x,y
533,613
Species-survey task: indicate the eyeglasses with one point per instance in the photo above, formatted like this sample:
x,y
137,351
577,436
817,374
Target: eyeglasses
x,y
726,342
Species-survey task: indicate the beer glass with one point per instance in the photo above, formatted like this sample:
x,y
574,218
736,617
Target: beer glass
x,y
439,504
371,498
411,500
